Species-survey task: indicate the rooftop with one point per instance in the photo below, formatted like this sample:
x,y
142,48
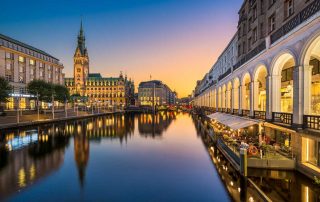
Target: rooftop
x,y
25,45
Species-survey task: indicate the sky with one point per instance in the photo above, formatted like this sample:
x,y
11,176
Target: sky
x,y
176,41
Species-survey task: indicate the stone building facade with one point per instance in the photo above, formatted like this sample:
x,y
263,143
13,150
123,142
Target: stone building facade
x,y
277,82
155,93
21,63
106,91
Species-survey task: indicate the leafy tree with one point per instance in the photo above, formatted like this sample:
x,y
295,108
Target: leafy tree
x,y
40,88
61,93
5,89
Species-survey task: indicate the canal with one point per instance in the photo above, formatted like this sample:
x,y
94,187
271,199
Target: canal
x,y
133,157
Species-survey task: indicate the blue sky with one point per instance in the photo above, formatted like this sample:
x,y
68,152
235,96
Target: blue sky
x,y
176,41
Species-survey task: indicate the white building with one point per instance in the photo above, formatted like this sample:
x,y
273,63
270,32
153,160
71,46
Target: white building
x,y
279,83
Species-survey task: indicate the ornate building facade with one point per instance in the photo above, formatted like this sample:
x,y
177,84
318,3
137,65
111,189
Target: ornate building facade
x,y
115,91
275,78
21,63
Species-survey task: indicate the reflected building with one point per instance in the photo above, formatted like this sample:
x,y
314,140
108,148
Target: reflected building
x,y
27,156
81,150
155,124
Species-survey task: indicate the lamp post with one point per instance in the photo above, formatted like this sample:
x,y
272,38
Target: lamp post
x,y
18,107
38,114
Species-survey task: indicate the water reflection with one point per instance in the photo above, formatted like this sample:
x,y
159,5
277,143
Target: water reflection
x,y
278,185
32,153
155,124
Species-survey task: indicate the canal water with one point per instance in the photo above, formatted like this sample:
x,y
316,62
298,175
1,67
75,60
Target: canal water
x,y
133,157
168,156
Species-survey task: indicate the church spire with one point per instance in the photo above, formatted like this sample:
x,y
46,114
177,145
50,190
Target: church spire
x,y
81,41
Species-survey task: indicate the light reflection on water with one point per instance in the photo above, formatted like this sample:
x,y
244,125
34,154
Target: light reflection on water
x,y
130,157
278,185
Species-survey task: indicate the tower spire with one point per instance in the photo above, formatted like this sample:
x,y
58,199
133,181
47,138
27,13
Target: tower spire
x,y
81,40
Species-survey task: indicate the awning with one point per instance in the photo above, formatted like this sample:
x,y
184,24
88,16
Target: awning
x,y
233,122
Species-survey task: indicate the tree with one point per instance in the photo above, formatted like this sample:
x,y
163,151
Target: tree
x,y
41,89
61,93
5,89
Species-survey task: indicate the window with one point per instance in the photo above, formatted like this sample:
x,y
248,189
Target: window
x,y
255,35
262,6
21,59
288,4
40,64
8,66
9,55
261,30
272,23
271,2
254,13
31,62
249,43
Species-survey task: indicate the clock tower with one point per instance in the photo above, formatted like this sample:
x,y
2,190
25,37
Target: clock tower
x,y
81,64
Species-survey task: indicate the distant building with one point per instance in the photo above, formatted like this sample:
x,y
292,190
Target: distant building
x,y
21,63
155,93
116,91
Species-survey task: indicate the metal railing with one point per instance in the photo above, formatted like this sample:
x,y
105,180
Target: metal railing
x,y
311,122
261,47
235,111
305,14
260,114
246,112
281,117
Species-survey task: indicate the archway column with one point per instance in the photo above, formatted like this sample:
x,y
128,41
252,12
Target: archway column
x,y
243,96
252,98
240,99
307,75
298,92
231,99
256,95
276,93
227,99
269,98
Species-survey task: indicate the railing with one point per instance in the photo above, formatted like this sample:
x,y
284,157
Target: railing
x,y
224,110
235,111
246,112
260,115
281,117
311,121
222,76
305,14
261,47
231,153
228,110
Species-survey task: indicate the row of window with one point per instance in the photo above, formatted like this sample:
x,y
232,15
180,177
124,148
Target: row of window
x,y
16,47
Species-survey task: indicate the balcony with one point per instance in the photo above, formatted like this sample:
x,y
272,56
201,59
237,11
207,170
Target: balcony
x,y
260,115
246,113
281,117
261,47
235,111
311,122
304,15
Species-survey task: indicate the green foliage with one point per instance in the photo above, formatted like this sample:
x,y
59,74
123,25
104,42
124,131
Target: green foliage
x,y
61,93
5,89
45,90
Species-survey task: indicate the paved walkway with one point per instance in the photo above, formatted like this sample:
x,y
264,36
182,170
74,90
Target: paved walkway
x,y
26,118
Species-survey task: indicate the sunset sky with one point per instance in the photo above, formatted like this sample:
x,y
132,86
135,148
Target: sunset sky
x,y
176,41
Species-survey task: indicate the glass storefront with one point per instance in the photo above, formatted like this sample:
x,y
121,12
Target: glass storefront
x,y
311,151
